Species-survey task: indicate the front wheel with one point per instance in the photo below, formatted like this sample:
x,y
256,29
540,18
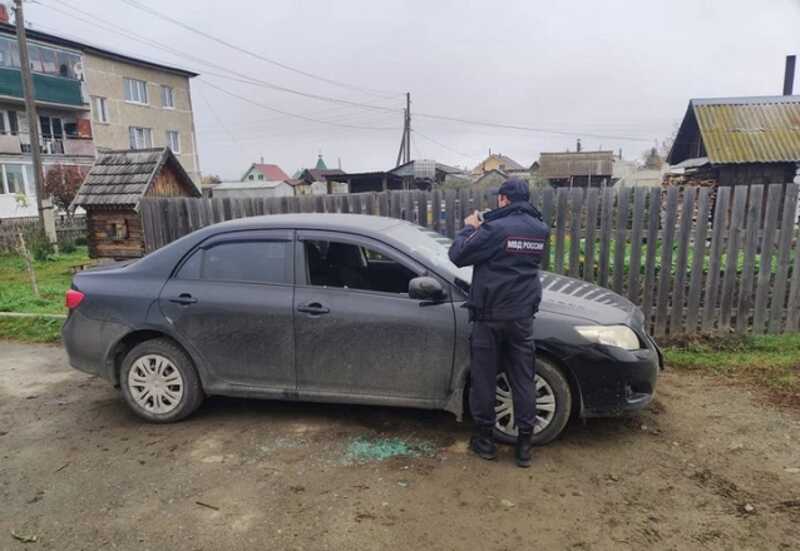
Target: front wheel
x,y
159,382
553,405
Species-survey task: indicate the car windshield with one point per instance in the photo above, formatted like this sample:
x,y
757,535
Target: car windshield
x,y
432,247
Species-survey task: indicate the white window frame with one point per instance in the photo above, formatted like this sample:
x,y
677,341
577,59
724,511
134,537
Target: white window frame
x,y
100,109
170,93
28,186
177,145
140,137
135,85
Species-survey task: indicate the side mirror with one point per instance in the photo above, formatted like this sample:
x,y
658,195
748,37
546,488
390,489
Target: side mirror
x,y
426,288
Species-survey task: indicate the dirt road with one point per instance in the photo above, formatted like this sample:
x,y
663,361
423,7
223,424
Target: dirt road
x,y
706,467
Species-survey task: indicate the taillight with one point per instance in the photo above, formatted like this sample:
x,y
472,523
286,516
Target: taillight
x,y
73,298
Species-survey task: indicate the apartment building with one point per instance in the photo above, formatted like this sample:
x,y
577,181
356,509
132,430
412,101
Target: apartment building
x,y
88,99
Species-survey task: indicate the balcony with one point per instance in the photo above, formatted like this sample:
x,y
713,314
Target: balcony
x,y
47,89
66,146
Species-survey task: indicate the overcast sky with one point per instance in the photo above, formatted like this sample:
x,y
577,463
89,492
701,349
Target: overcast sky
x,y
607,71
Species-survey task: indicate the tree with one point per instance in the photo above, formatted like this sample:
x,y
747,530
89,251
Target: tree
x,y
62,183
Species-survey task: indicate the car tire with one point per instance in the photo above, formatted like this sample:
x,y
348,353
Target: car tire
x,y
555,386
159,382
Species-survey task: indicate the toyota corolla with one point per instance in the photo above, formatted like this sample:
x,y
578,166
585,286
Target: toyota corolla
x,y
338,308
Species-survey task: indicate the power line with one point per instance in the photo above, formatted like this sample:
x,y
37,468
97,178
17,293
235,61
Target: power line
x,y
288,114
239,77
152,11
529,128
440,144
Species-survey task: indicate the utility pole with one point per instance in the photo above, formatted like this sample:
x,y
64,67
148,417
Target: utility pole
x,y
46,219
408,126
404,154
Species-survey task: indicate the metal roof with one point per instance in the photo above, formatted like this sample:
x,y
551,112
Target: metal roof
x,y
250,184
569,164
763,129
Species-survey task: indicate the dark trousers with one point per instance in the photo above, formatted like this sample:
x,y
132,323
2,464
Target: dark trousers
x,y
498,346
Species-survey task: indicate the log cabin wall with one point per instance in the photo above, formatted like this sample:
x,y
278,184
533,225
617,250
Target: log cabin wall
x,y
167,184
114,233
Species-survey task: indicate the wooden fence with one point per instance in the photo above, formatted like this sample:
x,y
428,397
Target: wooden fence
x,y
693,259
67,230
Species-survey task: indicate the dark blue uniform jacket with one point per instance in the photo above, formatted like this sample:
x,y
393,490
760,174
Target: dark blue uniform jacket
x,y
506,252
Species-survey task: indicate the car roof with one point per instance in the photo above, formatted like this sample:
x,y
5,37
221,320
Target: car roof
x,y
311,220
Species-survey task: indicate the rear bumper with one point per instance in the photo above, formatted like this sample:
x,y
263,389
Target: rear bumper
x,y
87,343
614,381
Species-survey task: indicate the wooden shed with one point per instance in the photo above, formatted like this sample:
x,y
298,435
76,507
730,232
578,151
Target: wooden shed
x,y
113,190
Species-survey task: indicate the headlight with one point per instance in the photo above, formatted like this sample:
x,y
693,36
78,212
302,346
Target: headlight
x,y
620,336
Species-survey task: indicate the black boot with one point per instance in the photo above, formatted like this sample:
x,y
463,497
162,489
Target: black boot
x,y
482,443
522,452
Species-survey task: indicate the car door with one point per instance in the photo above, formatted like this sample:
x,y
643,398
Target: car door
x,y
231,299
362,344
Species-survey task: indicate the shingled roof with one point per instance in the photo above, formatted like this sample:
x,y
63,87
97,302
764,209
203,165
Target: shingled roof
x,y
121,178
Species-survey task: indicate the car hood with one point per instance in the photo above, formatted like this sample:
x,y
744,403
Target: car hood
x,y
572,297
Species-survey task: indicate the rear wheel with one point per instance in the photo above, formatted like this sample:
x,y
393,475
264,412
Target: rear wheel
x,y
159,382
553,405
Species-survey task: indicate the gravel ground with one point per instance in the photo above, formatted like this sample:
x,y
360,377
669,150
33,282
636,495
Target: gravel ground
x,y
707,466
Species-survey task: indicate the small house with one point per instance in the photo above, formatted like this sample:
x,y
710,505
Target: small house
x,y
496,161
112,193
264,172
579,168
737,141
258,189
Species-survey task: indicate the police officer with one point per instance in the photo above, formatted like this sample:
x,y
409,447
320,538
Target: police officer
x,y
505,246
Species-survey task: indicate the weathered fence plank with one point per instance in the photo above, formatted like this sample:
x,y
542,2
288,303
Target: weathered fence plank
x,y
606,216
576,208
732,259
593,198
778,302
621,240
774,196
561,227
665,272
654,215
681,261
698,256
450,207
547,216
753,225
634,269
717,237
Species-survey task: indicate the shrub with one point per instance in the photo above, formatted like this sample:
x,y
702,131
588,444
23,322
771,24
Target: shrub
x,y
68,247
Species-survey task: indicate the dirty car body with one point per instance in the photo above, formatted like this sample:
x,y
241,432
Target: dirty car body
x,y
317,307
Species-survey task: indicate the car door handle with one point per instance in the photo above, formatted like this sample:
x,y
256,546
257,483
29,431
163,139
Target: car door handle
x,y
184,299
314,308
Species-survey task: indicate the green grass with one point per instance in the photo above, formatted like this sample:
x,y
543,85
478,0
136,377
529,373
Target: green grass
x,y
657,260
31,329
54,277
768,361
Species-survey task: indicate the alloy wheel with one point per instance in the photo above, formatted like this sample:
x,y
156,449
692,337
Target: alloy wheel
x,y
504,405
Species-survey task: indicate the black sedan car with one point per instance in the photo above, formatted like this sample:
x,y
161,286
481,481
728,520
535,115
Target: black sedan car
x,y
338,308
